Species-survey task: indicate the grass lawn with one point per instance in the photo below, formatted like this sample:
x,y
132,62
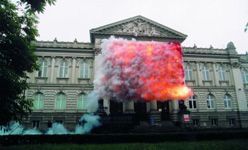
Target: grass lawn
x,y
190,145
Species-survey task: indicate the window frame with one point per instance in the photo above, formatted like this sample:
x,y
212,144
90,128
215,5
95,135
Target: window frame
x,y
188,72
83,101
84,71
214,122
38,103
206,73
36,124
210,101
61,100
227,101
192,102
221,73
64,69
42,72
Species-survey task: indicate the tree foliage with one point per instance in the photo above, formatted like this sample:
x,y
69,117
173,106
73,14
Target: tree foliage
x,y
17,32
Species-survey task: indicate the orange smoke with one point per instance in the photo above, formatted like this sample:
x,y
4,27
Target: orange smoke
x,y
144,70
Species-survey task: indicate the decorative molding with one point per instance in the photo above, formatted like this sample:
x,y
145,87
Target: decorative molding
x,y
236,65
139,27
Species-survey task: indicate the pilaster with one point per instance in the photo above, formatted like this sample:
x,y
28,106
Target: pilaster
x,y
73,77
199,75
174,108
153,106
52,70
216,75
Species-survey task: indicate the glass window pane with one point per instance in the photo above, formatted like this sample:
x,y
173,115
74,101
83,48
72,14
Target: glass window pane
x,y
194,104
190,104
60,101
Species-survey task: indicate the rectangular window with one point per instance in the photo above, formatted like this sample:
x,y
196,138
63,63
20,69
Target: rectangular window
x,y
190,104
214,122
188,73
205,73
63,70
35,123
221,74
231,122
196,122
42,72
84,70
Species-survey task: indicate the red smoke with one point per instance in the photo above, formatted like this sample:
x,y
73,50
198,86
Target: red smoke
x,y
143,70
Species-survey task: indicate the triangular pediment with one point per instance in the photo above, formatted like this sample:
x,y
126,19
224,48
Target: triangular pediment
x,y
138,26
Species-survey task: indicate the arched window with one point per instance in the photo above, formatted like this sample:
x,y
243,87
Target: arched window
x,y
227,101
84,70
205,73
81,103
38,102
210,101
60,102
192,102
63,70
43,68
221,73
188,72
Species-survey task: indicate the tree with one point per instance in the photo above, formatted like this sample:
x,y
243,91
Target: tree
x,y
17,32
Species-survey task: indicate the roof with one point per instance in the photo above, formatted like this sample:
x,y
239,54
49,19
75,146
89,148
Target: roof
x,y
137,26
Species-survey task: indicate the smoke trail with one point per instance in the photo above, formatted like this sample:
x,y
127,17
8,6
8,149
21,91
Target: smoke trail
x,y
87,123
89,120
57,128
141,70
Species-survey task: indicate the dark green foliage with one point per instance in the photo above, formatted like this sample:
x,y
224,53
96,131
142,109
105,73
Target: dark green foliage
x,y
17,31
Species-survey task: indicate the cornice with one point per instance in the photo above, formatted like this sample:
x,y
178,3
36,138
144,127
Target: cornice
x,y
62,44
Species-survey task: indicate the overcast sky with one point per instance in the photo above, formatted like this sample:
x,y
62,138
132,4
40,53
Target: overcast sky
x,y
206,22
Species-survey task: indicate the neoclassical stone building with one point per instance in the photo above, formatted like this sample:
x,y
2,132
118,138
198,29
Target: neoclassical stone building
x,y
218,77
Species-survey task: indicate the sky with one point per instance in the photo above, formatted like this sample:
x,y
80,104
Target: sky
x,y
206,22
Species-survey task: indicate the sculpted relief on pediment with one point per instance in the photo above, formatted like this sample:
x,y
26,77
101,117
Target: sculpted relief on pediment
x,y
138,27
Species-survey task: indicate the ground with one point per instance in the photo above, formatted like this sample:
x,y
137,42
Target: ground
x,y
236,144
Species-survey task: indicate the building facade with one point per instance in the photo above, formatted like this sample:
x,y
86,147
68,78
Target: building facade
x,y
218,77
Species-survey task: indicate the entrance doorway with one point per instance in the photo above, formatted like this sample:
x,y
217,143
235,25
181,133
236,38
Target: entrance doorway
x,y
140,111
163,107
116,107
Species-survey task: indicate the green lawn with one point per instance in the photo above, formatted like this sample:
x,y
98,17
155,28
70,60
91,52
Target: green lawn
x,y
195,145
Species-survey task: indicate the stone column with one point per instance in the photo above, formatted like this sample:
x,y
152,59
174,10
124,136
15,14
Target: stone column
x,y
52,69
174,108
73,75
199,75
128,107
106,105
216,75
153,106
155,115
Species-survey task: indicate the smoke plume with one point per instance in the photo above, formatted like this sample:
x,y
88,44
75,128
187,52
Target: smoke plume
x,y
141,70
